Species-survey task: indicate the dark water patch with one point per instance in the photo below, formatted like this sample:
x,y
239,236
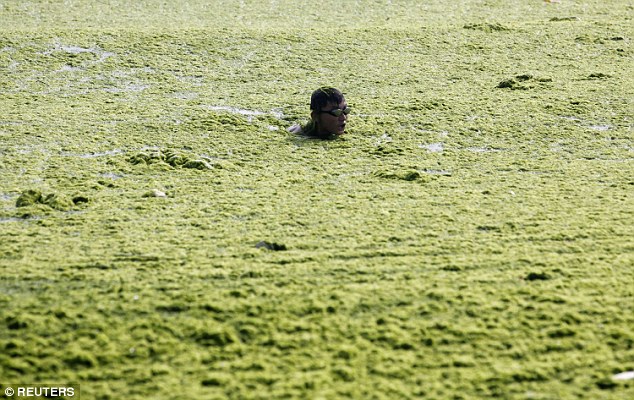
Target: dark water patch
x,y
510,84
598,75
537,276
106,183
263,244
216,380
172,308
564,19
563,332
137,258
213,307
80,200
388,149
16,322
489,228
78,358
606,384
96,265
379,253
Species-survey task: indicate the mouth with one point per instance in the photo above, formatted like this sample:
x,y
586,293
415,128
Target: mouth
x,y
342,128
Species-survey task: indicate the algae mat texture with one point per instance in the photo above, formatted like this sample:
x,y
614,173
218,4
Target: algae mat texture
x,y
163,236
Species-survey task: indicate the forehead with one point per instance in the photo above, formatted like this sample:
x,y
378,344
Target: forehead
x,y
331,105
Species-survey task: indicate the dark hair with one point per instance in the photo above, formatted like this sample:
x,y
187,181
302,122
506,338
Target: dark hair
x,y
324,95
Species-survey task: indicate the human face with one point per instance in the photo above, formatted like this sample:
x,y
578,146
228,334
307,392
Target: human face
x,y
329,124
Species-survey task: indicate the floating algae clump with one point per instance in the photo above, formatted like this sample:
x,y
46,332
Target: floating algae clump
x,y
147,158
33,197
57,202
197,164
176,160
487,27
410,175
270,246
406,175
155,193
521,82
28,198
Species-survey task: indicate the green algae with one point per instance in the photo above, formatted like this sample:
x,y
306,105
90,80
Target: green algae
x,y
496,265
487,27
521,82
29,198
406,175
175,159
55,201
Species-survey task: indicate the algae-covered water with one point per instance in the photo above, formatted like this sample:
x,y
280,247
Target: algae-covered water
x,y
163,236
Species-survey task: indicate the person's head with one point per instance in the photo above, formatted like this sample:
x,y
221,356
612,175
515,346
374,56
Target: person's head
x,y
329,112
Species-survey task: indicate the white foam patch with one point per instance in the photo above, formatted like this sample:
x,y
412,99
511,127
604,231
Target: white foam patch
x,y
103,55
433,147
247,113
481,150
75,49
235,110
601,128
624,376
94,155
385,138
68,68
127,89
437,172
